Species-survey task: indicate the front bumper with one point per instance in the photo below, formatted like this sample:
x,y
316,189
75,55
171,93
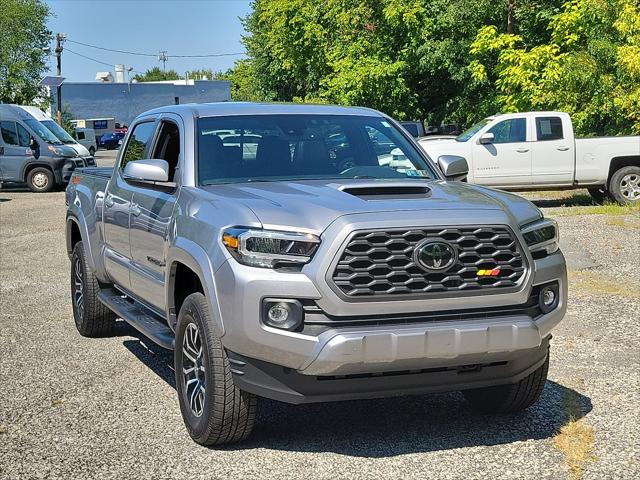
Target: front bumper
x,y
385,348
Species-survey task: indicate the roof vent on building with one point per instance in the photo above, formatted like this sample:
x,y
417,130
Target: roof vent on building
x,y
104,77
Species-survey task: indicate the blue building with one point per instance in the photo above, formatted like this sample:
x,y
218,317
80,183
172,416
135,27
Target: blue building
x,y
124,101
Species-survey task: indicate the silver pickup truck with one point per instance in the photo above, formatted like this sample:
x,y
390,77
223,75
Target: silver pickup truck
x,y
310,254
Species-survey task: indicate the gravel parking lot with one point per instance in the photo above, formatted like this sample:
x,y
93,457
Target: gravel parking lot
x,y
72,407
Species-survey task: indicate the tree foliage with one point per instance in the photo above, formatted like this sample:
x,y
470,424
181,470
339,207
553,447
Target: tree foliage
x,y
156,74
448,60
588,68
23,35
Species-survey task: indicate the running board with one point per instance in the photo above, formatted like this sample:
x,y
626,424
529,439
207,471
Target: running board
x,y
149,324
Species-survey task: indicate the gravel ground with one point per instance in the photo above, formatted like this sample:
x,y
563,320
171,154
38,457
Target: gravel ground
x,y
72,407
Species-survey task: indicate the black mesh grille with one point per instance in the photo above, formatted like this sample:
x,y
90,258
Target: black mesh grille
x,y
378,263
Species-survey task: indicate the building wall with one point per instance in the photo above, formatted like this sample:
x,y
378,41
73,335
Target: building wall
x,y
124,101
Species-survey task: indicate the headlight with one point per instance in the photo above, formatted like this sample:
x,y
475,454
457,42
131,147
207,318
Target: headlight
x,y
57,151
542,235
269,248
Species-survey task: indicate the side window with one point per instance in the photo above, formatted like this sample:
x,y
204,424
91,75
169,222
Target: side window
x,y
549,128
138,142
510,131
80,135
9,133
168,146
23,136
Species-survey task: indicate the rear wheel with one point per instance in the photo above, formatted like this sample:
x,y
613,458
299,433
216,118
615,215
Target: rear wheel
x,y
40,180
92,318
625,185
215,411
510,398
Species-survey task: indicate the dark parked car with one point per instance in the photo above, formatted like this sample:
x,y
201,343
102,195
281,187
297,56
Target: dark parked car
x,y
110,140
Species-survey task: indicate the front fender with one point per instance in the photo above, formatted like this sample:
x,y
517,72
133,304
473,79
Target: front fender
x,y
195,258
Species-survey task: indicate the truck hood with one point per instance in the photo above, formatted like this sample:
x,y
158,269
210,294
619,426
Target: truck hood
x,y
313,205
448,146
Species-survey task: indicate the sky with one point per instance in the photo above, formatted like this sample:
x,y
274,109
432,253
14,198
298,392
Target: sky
x,y
181,27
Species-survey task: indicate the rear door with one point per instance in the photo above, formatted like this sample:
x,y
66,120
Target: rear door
x,y
506,161
151,215
117,206
553,151
15,150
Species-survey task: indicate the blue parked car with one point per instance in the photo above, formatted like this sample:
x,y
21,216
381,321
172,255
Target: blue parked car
x,y
110,140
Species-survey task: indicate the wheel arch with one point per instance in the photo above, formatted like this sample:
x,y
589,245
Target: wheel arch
x,y
30,166
620,162
189,270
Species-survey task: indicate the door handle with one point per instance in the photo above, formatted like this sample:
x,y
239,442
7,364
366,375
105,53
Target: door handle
x,y
522,150
563,148
135,209
108,201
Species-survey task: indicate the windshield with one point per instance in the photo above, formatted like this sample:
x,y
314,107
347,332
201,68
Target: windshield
x,y
43,132
58,131
304,147
471,131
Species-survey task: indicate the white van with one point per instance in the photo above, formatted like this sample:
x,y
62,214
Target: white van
x,y
60,132
87,138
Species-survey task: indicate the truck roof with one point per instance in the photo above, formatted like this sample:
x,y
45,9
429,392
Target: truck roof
x,y
250,108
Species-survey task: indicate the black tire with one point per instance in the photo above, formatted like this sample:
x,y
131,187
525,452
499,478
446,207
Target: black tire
x,y
92,151
624,185
510,398
40,180
92,318
598,194
221,413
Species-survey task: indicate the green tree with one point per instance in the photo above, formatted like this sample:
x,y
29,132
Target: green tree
x,y
156,74
23,35
588,67
244,87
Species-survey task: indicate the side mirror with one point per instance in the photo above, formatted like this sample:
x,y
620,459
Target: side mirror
x,y
453,167
487,138
149,171
33,144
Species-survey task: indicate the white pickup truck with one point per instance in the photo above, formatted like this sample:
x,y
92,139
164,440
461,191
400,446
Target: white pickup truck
x,y
538,151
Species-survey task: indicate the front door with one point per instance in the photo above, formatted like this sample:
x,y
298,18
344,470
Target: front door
x,y
151,214
117,207
15,151
507,160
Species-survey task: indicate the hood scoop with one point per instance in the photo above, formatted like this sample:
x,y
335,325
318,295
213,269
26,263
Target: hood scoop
x,y
393,191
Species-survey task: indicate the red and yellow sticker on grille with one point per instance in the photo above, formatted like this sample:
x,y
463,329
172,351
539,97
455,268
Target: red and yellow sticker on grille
x,y
494,272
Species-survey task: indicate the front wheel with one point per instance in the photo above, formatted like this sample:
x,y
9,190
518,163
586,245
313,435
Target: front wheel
x,y
625,185
510,398
215,411
92,151
40,180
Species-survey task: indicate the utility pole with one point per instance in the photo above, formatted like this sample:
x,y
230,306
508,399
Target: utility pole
x,y
60,38
162,57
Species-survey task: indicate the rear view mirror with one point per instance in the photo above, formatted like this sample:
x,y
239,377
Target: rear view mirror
x,y
453,166
487,138
150,171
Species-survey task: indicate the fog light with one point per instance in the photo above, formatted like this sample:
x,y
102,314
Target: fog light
x,y
285,313
548,298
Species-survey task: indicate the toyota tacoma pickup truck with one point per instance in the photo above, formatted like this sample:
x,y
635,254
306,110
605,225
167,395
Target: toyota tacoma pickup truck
x,y
276,263
538,151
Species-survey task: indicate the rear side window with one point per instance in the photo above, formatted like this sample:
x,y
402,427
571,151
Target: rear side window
x,y
9,133
80,135
510,131
138,143
549,128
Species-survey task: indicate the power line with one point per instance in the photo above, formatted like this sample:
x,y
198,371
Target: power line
x,y
211,55
97,61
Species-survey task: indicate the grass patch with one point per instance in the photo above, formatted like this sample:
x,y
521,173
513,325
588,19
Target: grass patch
x,y
605,209
578,203
623,222
594,282
576,438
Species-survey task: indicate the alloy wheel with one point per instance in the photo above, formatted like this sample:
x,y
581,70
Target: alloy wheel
x,y
78,289
630,186
193,369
